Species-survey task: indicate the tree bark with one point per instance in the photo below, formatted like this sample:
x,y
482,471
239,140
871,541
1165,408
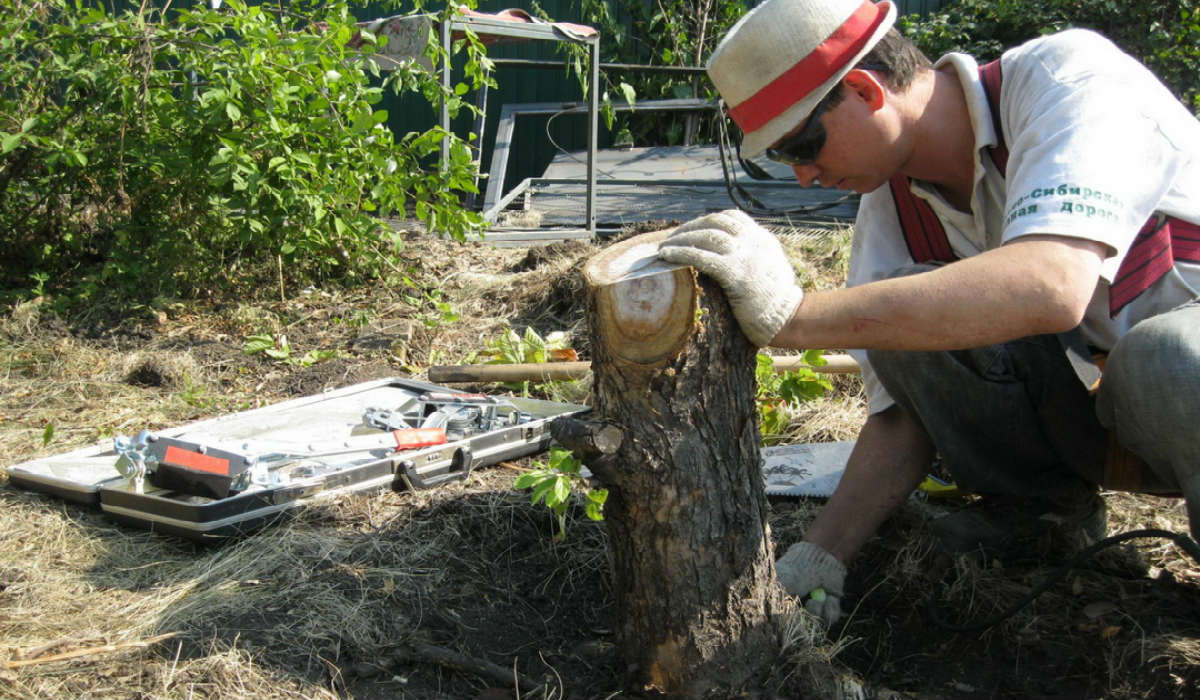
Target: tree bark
x,y
699,611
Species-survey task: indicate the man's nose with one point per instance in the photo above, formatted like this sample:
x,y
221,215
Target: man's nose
x,y
807,175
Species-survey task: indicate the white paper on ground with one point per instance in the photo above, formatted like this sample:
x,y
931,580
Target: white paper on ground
x,y
807,469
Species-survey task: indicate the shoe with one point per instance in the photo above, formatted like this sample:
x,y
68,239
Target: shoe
x,y
999,525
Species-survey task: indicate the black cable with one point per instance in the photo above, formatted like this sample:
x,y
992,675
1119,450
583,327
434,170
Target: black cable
x,y
564,151
741,197
1184,542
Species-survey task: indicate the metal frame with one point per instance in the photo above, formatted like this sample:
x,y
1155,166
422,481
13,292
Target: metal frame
x,y
529,183
537,31
495,200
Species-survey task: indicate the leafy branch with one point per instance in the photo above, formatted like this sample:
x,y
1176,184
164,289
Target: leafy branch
x,y
553,482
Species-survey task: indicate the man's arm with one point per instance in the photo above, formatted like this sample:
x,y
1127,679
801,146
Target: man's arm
x,y
890,457
1034,285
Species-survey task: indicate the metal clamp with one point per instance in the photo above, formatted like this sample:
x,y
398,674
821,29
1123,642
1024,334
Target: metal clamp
x,y
135,459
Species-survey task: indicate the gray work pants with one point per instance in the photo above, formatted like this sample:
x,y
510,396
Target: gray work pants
x,y
1014,418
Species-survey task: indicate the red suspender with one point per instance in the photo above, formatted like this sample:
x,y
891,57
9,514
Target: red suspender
x,y
1161,242
923,231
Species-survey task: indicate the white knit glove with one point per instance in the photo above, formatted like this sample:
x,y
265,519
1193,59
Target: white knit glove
x,y
749,264
804,569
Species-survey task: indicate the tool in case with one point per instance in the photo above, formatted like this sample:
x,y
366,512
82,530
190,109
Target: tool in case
x,y
233,474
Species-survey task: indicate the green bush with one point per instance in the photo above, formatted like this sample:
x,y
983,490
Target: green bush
x,y
151,152
1165,34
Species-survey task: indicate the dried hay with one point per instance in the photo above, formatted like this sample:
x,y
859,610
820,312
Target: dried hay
x,y
831,418
24,318
163,369
527,218
47,379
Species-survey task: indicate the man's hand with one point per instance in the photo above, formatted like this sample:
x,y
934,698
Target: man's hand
x,y
749,264
808,570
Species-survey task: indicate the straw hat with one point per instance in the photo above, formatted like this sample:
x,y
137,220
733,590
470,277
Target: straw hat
x,y
782,57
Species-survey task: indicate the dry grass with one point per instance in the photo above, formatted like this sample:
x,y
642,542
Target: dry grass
x,y
299,610
75,583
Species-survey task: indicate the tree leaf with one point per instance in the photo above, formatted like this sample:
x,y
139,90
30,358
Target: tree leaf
x,y
561,491
628,92
9,142
257,343
527,480
542,490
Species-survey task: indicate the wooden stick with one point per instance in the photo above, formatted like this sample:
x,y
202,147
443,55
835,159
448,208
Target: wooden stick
x,y
559,371
519,372
457,661
834,364
104,649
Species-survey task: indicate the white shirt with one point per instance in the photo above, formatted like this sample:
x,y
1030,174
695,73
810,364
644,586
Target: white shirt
x,y
1096,145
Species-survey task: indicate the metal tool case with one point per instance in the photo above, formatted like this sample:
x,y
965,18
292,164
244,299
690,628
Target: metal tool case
x,y
291,454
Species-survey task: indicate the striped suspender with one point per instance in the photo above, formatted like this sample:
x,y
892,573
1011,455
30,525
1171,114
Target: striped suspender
x,y
1161,242
923,231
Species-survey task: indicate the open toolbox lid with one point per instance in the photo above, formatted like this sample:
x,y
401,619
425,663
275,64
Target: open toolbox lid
x,y
232,474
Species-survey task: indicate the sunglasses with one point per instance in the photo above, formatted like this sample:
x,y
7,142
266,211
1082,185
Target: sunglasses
x,y
802,147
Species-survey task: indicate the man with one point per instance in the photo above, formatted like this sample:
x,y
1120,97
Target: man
x,y
1003,237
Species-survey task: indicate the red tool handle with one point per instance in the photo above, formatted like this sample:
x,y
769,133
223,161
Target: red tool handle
x,y
412,438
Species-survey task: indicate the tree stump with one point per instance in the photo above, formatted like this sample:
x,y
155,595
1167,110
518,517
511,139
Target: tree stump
x,y
674,437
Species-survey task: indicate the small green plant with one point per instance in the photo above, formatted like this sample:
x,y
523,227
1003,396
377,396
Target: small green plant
x,y
776,391
513,348
361,318
195,394
277,347
433,309
444,313
39,287
552,484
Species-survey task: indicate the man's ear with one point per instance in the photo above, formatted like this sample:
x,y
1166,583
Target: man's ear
x,y
867,86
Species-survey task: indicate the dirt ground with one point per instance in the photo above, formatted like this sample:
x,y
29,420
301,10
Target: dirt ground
x,y
457,591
